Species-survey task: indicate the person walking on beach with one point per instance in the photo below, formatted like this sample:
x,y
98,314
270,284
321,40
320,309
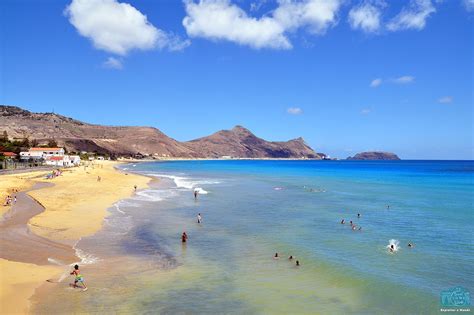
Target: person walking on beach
x,y
78,278
135,187
199,218
184,237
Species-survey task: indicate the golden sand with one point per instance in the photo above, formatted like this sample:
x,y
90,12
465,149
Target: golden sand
x,y
19,182
77,204
75,207
18,282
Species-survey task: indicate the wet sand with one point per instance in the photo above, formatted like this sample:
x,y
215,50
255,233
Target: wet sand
x,y
18,243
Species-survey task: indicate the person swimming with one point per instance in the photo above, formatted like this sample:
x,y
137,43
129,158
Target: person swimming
x,y
351,223
353,227
184,237
358,215
78,278
392,248
411,245
343,221
360,228
291,257
276,256
298,263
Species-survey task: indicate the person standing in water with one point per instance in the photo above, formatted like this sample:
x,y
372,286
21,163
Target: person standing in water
x,y
135,187
297,263
276,256
199,218
184,237
78,278
195,194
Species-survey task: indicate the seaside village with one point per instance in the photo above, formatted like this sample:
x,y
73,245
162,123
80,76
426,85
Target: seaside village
x,y
39,156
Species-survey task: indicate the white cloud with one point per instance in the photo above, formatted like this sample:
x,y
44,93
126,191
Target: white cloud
x,y
412,17
469,5
365,111
113,63
404,79
365,17
223,20
294,111
445,100
117,27
375,82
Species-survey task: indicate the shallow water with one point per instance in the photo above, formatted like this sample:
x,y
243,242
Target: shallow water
x,y
252,209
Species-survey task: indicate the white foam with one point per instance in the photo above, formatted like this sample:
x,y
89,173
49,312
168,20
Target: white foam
x,y
55,261
186,182
201,191
396,246
154,194
86,258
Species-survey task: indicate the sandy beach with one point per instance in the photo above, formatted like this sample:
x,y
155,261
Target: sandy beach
x,y
50,216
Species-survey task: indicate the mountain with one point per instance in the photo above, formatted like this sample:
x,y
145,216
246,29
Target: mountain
x,y
79,136
374,155
239,141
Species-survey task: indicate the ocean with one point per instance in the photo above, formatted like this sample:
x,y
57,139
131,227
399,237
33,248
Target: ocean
x,y
254,209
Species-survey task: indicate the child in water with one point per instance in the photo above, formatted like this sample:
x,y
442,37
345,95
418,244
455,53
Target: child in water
x,y
184,237
79,278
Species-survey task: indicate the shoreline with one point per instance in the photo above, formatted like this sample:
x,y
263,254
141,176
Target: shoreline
x,y
74,207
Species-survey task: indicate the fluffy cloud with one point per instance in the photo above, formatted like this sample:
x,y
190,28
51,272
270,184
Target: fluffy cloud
x,y
365,111
469,5
117,27
365,17
446,100
113,63
375,82
412,17
404,79
294,111
222,20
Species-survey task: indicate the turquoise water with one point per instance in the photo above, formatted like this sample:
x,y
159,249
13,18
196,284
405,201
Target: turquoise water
x,y
252,209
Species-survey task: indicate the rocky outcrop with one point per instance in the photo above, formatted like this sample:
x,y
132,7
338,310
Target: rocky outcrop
x,y
374,155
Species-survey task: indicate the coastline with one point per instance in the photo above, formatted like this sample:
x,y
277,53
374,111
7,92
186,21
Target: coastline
x,y
75,206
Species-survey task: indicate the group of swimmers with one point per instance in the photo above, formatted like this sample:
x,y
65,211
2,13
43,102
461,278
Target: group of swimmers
x,y
391,248
9,200
289,258
353,226
184,236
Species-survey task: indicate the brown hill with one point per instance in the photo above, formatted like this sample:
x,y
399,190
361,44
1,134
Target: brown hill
x,y
79,136
240,142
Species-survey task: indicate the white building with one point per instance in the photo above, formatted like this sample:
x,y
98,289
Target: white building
x,y
41,153
75,160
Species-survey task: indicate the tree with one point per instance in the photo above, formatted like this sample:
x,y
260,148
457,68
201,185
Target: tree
x,y
4,137
34,143
52,143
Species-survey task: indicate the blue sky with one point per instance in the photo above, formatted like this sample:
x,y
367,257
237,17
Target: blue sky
x,y
347,76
